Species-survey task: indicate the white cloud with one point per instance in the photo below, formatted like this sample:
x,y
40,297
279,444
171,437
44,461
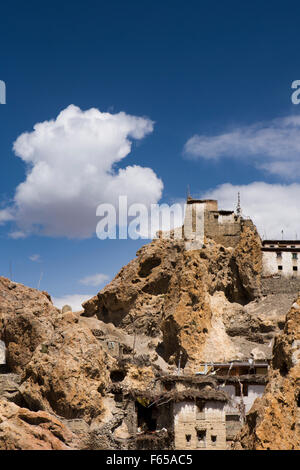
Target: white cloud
x,y
71,170
16,235
94,280
272,207
74,300
5,216
273,146
35,258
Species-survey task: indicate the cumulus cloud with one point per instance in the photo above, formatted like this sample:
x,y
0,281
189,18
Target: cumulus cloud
x,y
272,207
71,169
273,146
74,300
94,280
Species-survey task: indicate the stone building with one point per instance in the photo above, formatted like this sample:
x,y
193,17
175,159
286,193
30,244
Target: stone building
x,y
200,426
243,382
281,257
203,220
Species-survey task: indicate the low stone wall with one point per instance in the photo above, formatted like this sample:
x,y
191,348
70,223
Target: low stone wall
x,y
280,285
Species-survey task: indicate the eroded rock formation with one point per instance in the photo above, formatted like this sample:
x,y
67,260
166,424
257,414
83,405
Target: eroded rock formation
x,y
22,429
274,420
62,382
27,318
168,293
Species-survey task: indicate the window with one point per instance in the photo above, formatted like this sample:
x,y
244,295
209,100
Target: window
x,y
239,388
188,437
295,268
279,268
294,256
278,254
201,437
213,440
233,418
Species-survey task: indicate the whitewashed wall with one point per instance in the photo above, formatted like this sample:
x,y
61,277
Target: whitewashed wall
x,y
254,391
188,419
271,262
2,353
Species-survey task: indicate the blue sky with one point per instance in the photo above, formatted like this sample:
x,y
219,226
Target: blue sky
x,y
193,68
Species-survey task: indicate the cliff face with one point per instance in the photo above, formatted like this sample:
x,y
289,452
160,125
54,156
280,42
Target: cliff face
x,y
170,294
63,381
57,367
274,420
68,373
27,318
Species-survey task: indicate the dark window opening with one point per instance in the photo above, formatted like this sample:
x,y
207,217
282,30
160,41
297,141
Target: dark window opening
x,y
295,268
241,389
188,437
200,406
145,417
213,440
279,268
295,256
201,435
279,254
169,386
298,400
232,418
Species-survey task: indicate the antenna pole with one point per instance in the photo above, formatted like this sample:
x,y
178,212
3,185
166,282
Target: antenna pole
x,y
40,280
238,207
188,192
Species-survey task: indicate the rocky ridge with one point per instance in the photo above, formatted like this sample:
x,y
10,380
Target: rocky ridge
x,y
167,303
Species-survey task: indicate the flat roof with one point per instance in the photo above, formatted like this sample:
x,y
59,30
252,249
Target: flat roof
x,y
223,212
281,248
191,200
282,242
254,363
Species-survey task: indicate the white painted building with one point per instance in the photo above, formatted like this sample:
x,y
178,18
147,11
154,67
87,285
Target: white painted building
x,y
2,353
250,393
200,428
281,257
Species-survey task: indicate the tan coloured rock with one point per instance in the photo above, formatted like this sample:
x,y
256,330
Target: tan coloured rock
x,y
167,292
21,429
67,374
27,318
273,422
